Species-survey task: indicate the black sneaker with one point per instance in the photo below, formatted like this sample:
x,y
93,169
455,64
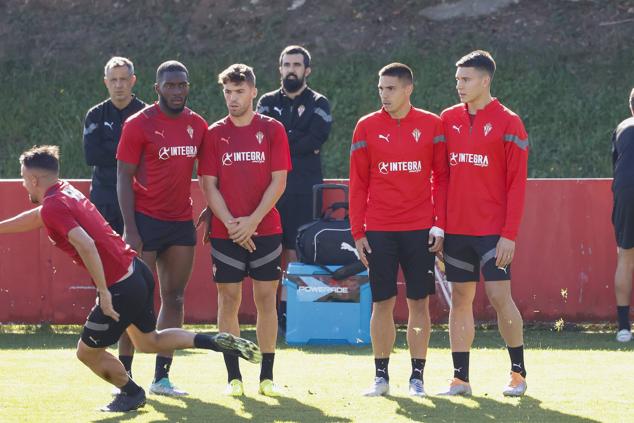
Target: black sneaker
x,y
124,402
227,343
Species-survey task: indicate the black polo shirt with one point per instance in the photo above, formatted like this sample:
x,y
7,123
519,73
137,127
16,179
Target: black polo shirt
x,y
102,130
307,120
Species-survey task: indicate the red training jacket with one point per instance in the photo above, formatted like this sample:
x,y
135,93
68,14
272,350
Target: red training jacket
x,y
391,166
487,170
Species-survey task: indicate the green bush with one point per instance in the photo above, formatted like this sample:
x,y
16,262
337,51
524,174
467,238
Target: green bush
x,y
569,103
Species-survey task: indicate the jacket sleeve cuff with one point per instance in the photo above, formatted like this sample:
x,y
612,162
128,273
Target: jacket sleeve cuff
x,y
509,234
357,235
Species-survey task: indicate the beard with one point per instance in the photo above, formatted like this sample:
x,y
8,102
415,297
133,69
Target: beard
x,y
163,102
292,83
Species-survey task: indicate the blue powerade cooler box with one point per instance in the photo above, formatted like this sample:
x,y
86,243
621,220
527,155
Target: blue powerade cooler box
x,y
321,310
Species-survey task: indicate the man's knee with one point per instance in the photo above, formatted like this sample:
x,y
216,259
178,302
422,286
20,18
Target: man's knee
x,y
146,342
384,307
499,297
229,299
626,258
173,298
265,296
419,307
462,296
85,354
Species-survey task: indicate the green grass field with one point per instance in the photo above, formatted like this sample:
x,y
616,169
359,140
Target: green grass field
x,y
574,376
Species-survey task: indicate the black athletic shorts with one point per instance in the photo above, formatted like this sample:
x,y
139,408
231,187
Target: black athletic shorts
x,y
232,263
623,217
465,256
407,248
112,214
295,211
133,299
158,235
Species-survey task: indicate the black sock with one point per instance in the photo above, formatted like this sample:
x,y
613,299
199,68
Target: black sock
x,y
131,388
266,368
517,359
380,367
623,312
205,341
162,367
418,366
461,365
126,360
233,367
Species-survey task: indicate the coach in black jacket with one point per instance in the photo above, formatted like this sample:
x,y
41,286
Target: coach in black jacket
x,y
102,129
306,116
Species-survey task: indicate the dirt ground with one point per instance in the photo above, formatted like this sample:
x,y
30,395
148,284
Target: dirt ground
x,y
38,32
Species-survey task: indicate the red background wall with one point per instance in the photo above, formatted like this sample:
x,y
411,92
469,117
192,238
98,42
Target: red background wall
x,y
563,268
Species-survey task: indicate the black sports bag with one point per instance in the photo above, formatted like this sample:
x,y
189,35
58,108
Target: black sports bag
x,y
327,241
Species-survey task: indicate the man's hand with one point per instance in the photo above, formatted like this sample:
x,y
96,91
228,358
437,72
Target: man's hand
x,y
362,247
241,229
504,252
436,239
205,220
133,239
105,302
248,245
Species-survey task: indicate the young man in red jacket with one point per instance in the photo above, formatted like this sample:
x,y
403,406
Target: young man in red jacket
x,y
487,148
397,215
125,285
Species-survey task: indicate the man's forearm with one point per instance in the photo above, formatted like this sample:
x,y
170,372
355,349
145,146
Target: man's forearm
x,y
92,261
215,200
273,193
87,250
125,195
23,222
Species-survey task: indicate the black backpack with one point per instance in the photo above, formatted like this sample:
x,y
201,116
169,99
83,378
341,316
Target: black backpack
x,y
327,241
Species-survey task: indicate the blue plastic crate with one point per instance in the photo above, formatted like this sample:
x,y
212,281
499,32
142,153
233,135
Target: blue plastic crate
x,y
320,310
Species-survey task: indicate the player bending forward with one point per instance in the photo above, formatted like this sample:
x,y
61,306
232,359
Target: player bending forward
x,y
125,285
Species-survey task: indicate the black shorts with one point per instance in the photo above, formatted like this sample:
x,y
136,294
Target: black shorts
x,y
295,211
232,263
465,256
112,214
158,235
623,217
133,299
410,249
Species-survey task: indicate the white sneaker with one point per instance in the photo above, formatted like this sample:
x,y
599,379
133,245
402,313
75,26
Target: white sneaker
x,y
416,388
516,386
457,387
165,387
624,335
379,388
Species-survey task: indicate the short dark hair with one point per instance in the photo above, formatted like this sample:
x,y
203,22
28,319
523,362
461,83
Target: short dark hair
x,y
170,66
399,70
296,50
479,59
45,157
237,73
